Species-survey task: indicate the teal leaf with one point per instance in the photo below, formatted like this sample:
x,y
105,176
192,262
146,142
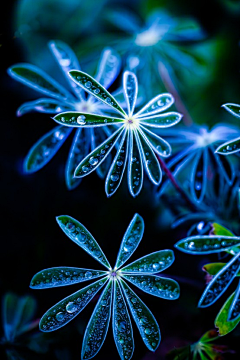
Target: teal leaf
x,y
145,321
82,237
62,276
78,119
199,176
161,147
150,160
229,147
152,263
47,106
135,166
122,327
161,120
38,80
97,156
68,308
67,61
220,282
97,327
78,151
234,311
221,322
162,287
98,136
130,86
160,103
131,240
117,168
93,87
204,244
109,67
234,109
45,148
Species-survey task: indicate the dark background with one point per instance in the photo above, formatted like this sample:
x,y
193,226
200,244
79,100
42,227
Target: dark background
x,y
31,239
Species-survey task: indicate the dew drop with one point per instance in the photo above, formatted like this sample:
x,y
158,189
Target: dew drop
x,y
93,161
88,275
156,266
88,84
71,307
114,177
60,316
81,120
147,331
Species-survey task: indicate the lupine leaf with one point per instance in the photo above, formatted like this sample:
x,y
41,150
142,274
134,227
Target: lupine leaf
x,y
38,80
199,176
145,321
149,159
220,282
229,147
94,88
152,263
209,336
130,86
161,146
97,156
234,311
68,308
135,166
234,109
204,244
221,322
159,103
79,119
62,276
225,168
98,136
109,67
122,327
117,168
47,106
97,327
213,268
82,237
162,120
155,285
45,148
131,240
79,149
218,229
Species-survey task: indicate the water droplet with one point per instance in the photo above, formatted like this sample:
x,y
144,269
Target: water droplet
x,y
147,331
114,177
60,316
96,91
88,84
88,275
93,161
65,62
81,120
71,307
85,169
156,266
119,163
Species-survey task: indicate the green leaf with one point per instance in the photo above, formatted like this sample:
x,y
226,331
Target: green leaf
x,y
234,109
79,119
161,120
160,103
47,106
98,136
68,308
218,229
82,237
135,166
213,268
234,311
130,86
160,146
229,147
209,336
224,327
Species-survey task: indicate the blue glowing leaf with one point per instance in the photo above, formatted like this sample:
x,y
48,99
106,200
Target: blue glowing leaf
x,y
160,103
161,147
161,120
82,237
78,119
222,323
67,61
145,321
125,20
122,327
152,263
38,80
78,151
117,168
130,86
226,168
131,240
229,147
97,156
234,311
135,166
150,160
199,176
94,88
204,244
98,136
97,327
62,276
234,109
45,148
68,308
109,67
48,106
155,285
220,282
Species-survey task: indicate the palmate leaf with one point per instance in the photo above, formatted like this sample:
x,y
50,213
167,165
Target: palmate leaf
x,y
130,86
160,103
220,282
97,327
109,67
47,106
229,147
82,237
62,276
79,119
135,166
98,136
93,87
151,264
131,240
161,147
204,244
145,321
162,120
234,311
68,308
45,148
164,288
234,109
122,327
221,322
